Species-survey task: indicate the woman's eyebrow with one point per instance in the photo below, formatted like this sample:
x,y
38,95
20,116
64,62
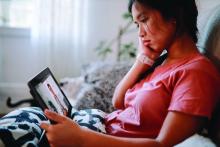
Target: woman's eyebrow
x,y
138,16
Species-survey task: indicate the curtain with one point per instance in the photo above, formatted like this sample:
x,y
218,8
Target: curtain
x,y
64,36
59,35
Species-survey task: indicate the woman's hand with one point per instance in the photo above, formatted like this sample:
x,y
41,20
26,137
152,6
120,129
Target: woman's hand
x,y
145,49
64,133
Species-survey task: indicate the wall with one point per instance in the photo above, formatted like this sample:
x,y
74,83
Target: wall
x,y
14,57
108,18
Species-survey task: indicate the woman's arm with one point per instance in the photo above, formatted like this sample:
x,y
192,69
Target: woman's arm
x,y
133,75
176,128
127,82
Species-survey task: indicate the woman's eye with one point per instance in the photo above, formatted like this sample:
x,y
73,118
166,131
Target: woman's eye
x,y
143,20
136,24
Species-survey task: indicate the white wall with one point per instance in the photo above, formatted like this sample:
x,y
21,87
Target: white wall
x,y
105,18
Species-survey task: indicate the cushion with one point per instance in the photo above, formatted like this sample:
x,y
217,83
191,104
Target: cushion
x,y
214,126
210,41
96,88
210,37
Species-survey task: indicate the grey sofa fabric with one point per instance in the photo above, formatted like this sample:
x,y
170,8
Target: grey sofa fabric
x,y
97,85
209,39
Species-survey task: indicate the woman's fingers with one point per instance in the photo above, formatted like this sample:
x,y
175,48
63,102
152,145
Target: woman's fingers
x,y
51,145
45,126
148,51
54,116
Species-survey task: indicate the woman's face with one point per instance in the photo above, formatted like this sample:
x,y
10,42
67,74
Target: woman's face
x,y
154,31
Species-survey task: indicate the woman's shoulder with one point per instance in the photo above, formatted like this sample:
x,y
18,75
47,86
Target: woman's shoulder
x,y
194,64
199,63
196,68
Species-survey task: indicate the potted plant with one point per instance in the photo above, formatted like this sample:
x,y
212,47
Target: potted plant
x,y
124,51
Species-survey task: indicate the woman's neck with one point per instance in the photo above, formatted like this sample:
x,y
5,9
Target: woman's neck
x,y
182,47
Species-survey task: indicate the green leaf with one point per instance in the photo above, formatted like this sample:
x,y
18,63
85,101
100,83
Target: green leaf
x,y
127,15
127,51
100,46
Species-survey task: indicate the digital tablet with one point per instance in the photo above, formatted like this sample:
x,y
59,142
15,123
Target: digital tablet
x,y
46,91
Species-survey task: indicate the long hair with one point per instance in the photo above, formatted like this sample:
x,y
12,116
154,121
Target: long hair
x,y
184,12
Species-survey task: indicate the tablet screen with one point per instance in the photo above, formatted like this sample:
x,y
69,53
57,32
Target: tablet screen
x,y
52,96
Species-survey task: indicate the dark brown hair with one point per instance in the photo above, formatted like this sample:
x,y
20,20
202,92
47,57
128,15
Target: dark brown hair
x,y
184,12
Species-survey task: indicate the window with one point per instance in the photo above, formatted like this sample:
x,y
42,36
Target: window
x,y
16,13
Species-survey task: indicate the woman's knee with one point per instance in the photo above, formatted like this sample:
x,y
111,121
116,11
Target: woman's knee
x,y
24,123
33,115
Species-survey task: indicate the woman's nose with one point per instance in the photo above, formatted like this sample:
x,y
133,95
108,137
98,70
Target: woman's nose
x,y
141,31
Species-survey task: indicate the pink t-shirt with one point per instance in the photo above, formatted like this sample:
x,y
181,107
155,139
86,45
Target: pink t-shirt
x,y
191,86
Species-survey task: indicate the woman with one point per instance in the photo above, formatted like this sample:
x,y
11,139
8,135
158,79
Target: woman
x,y
165,106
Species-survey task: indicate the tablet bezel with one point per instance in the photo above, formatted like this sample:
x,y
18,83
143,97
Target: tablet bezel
x,y
39,79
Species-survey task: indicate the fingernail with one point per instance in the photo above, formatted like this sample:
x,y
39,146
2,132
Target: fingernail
x,y
46,122
46,111
43,123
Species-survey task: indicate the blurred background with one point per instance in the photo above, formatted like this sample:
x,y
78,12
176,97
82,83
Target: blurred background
x,y
64,35
60,34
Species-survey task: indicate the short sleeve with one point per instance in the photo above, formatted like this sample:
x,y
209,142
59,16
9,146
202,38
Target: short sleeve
x,y
194,93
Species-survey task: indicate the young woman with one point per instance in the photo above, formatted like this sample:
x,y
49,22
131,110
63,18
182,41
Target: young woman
x,y
165,106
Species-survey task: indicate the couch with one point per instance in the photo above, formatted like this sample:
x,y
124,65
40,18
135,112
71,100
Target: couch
x,y
95,87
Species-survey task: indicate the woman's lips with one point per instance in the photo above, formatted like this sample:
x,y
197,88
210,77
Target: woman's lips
x,y
146,43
